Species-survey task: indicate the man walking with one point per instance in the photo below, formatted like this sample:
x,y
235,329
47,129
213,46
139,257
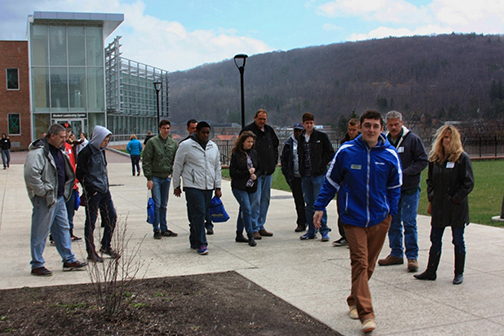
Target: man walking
x,y
315,152
197,161
267,147
49,179
157,165
414,159
290,169
366,173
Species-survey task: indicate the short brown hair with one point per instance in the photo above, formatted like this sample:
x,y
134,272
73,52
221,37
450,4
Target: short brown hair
x,y
260,111
308,116
372,114
354,122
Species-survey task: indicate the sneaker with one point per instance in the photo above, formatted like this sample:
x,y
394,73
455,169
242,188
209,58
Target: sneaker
x,y
412,265
325,237
353,312
202,250
340,242
390,260
169,233
368,325
308,236
209,231
75,266
113,254
265,233
157,235
41,271
95,258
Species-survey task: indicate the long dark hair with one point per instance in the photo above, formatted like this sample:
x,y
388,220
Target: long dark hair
x,y
241,139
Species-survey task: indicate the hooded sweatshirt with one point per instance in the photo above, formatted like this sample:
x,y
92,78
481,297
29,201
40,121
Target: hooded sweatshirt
x,y
92,163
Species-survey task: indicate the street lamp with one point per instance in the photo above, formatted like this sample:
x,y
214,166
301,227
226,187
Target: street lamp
x,y
157,87
239,61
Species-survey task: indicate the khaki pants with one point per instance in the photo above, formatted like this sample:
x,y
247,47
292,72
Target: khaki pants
x,y
365,246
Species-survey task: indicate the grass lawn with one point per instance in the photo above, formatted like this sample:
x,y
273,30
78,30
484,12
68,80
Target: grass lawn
x,y
484,201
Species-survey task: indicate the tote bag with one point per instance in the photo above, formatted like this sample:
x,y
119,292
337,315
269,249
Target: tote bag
x,y
151,213
216,211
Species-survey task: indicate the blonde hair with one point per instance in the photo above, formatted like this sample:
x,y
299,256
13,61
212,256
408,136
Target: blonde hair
x,y
455,149
133,136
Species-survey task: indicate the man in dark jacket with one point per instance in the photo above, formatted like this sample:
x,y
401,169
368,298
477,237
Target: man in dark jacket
x,y
315,152
414,159
92,174
290,169
267,147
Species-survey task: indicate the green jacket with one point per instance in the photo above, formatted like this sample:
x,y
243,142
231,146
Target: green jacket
x,y
157,159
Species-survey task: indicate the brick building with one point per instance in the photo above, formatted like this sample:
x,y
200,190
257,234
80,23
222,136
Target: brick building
x,y
15,93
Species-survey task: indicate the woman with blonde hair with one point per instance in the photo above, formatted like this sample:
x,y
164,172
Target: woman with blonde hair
x,y
450,180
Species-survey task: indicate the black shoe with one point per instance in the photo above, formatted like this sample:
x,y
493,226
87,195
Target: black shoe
x,y
425,276
95,258
75,266
209,231
241,239
459,278
300,228
340,242
113,254
251,240
169,233
157,235
41,271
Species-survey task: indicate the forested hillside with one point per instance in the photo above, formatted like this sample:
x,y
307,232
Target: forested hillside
x,y
451,77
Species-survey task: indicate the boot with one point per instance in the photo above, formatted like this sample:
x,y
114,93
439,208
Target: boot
x,y
430,272
239,237
251,240
459,268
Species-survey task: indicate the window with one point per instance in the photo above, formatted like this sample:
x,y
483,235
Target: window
x,y
12,79
14,127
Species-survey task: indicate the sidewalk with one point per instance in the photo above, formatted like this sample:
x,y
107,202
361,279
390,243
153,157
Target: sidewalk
x,y
311,275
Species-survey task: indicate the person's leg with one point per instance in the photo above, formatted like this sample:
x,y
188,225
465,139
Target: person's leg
x,y
317,182
60,230
207,198
460,253
244,216
40,227
132,165
395,234
92,205
256,204
156,197
109,216
195,200
409,214
137,164
265,200
307,185
70,208
8,158
164,191
297,193
4,158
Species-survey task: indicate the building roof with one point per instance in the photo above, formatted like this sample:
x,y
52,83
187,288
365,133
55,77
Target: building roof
x,y
110,21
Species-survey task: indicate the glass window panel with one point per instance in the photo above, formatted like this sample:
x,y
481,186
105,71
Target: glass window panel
x,y
77,88
59,88
41,122
94,46
76,50
96,95
38,42
40,89
57,43
14,127
12,79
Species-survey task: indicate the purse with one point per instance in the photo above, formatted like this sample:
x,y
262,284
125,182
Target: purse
x,y
151,212
216,211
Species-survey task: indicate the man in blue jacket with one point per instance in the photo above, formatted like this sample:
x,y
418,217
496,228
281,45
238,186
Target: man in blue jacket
x,y
366,173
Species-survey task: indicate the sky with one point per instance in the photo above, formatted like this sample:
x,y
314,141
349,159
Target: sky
x,y
180,35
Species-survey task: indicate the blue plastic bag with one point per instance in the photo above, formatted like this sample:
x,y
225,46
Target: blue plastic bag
x,y
216,211
77,199
151,212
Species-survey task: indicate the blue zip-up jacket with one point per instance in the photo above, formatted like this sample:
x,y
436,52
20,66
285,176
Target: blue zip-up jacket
x,y
134,147
368,182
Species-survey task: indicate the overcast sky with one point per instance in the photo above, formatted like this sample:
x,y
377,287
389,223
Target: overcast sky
x,y
179,35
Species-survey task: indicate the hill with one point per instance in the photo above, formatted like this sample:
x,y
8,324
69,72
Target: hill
x,y
450,77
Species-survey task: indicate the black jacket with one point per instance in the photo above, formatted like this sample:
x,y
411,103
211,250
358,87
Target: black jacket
x,y
287,160
5,143
321,153
266,145
448,186
238,170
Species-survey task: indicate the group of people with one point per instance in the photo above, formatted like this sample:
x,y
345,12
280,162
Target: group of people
x,y
374,175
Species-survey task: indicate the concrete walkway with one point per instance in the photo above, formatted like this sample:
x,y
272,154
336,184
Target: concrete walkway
x,y
311,275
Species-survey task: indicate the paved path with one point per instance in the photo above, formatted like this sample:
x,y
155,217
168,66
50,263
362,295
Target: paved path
x,y
311,275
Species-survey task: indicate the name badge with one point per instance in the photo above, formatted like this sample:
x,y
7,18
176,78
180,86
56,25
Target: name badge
x,y
400,150
356,166
450,164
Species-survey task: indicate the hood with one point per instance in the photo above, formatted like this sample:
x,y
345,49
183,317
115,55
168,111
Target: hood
x,y
99,134
38,143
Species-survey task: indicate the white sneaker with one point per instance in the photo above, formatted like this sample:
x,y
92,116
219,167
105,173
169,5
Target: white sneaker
x,y
353,312
368,325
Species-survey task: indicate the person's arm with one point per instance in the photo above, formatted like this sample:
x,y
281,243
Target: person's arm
x,y
466,178
419,156
33,170
328,150
430,184
218,174
394,184
285,159
128,147
178,166
276,143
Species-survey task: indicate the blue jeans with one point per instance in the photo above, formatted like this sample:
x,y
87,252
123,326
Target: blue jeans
x,y
197,202
261,201
160,192
6,157
102,202
436,238
135,163
405,219
244,219
311,188
52,219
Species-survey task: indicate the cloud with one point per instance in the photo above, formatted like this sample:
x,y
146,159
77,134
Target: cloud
x,y
331,26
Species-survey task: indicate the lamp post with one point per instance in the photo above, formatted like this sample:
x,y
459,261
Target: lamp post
x,y
157,87
239,61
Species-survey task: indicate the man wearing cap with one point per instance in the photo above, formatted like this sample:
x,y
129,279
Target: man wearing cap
x,y
290,169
